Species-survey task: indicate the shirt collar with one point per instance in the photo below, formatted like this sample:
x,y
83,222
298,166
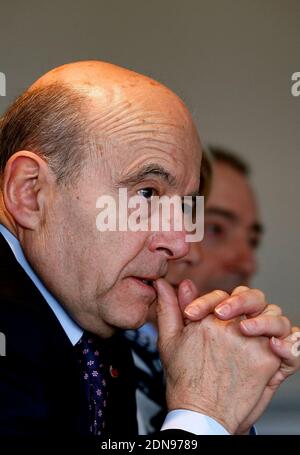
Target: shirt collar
x,y
72,330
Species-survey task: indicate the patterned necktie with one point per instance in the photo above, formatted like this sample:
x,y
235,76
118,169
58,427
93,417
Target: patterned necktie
x,y
150,379
94,370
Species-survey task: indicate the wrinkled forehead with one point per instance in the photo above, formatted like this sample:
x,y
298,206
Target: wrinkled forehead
x,y
153,120
143,124
131,109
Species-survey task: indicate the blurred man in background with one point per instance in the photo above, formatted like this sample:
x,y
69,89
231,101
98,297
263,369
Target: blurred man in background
x,y
225,259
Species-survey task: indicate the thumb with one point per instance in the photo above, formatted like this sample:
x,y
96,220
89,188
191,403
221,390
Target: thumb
x,y
187,292
169,317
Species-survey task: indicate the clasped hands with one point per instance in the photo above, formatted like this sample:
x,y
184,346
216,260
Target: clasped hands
x,y
224,355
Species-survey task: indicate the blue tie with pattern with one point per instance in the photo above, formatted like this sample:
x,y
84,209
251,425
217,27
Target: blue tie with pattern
x,y
92,363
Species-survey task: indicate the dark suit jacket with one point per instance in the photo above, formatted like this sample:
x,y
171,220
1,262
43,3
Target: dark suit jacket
x,y
41,388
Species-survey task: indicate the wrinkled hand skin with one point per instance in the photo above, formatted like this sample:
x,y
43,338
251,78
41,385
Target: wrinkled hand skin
x,y
289,365
215,366
220,379
268,321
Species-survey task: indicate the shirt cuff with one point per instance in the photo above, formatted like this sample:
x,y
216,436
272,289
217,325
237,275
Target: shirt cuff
x,y
193,422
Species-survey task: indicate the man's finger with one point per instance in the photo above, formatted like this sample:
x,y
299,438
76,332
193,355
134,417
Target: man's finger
x,y
272,310
187,292
266,325
240,289
169,316
288,349
203,306
250,303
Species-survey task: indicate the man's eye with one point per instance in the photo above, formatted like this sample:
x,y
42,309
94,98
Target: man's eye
x,y
214,229
186,208
147,193
190,206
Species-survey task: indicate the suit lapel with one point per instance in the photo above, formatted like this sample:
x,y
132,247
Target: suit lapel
x,y
67,403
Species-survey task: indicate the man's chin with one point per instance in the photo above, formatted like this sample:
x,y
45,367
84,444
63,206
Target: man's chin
x,y
134,324
146,316
136,316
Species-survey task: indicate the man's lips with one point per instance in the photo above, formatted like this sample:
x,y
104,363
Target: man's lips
x,y
145,282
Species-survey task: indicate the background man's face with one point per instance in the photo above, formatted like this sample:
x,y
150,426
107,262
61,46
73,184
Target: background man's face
x,y
103,271
226,258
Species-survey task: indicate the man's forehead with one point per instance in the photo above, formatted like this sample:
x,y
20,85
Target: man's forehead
x,y
117,90
135,138
111,83
232,196
134,111
231,186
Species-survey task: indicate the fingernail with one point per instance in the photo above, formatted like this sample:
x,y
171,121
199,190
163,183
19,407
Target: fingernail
x,y
187,290
222,310
192,312
275,341
249,326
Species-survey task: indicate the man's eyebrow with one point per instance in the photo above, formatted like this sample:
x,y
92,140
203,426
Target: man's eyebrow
x,y
147,171
221,212
255,227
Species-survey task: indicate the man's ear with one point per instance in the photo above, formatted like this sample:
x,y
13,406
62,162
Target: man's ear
x,y
25,184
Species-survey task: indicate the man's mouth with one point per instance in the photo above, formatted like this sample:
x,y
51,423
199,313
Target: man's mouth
x,y
148,282
145,281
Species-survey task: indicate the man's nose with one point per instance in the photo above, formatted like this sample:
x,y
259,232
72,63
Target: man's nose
x,y
195,255
172,244
245,258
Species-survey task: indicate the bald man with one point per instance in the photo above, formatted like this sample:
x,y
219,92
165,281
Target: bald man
x,y
85,130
